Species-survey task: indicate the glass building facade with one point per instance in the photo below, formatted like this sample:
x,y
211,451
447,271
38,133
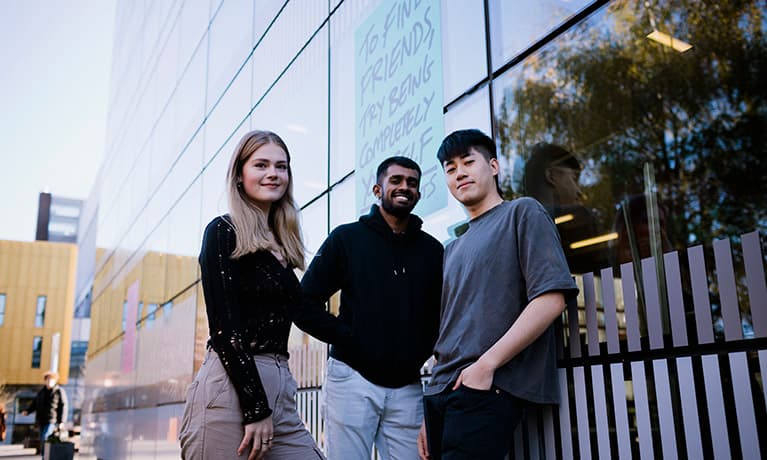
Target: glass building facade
x,y
639,125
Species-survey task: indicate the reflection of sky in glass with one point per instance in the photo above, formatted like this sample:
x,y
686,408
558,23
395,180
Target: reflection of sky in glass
x,y
342,203
464,59
314,226
296,109
531,20
214,195
186,215
230,41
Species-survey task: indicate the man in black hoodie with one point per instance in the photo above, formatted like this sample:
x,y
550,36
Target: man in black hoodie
x,y
50,407
389,272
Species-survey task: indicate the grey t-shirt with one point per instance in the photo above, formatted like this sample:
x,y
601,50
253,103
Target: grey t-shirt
x,y
510,255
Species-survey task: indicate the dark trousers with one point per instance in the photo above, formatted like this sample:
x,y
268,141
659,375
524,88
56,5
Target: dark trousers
x,y
471,424
45,431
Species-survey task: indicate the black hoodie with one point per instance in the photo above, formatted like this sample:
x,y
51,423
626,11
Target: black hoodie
x,y
390,298
49,405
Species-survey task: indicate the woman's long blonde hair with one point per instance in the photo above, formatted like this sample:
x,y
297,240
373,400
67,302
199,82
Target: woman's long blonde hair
x,y
251,225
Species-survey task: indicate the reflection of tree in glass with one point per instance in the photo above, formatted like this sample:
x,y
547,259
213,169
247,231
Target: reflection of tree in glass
x,y
619,100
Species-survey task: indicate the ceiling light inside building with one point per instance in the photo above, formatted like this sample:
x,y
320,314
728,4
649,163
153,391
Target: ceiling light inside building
x,y
667,40
595,240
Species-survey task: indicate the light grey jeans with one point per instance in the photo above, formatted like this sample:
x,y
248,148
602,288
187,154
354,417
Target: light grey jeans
x,y
211,427
358,413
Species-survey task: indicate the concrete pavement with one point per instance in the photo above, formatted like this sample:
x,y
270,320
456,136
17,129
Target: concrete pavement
x,y
18,452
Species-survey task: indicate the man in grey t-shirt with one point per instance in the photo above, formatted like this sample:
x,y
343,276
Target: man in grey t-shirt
x,y
504,283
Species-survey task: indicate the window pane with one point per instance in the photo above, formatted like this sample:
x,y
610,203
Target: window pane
x,y
314,225
37,351
465,59
151,313
183,246
471,112
40,312
214,201
296,109
166,309
342,206
77,358
343,26
638,148
83,307
230,42
531,19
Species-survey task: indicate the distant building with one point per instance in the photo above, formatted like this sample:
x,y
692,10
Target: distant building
x,y
57,218
37,287
73,221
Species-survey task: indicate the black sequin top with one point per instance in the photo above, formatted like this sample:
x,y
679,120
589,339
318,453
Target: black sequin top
x,y
248,301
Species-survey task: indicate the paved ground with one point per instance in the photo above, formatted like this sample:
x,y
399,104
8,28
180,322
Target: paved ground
x,y
18,452
15,451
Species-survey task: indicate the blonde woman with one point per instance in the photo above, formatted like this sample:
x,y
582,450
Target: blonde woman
x,y
241,403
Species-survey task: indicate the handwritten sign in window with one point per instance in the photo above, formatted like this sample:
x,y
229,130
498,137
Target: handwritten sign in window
x,y
398,83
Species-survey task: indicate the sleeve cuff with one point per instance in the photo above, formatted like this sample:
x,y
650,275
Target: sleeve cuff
x,y
252,416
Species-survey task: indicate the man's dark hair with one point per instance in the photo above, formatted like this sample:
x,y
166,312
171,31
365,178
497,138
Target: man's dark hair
x,y
405,162
457,144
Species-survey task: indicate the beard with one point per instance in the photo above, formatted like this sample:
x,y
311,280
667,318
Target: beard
x,y
397,209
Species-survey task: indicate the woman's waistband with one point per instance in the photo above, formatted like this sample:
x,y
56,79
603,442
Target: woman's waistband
x,y
262,357
271,357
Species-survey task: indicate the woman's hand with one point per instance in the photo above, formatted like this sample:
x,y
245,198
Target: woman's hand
x,y
260,434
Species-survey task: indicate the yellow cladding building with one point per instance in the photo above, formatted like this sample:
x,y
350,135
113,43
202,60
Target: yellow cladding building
x,y
37,284
163,280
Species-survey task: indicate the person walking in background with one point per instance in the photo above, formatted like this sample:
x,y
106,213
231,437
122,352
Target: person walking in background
x,y
50,408
389,272
505,282
242,400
